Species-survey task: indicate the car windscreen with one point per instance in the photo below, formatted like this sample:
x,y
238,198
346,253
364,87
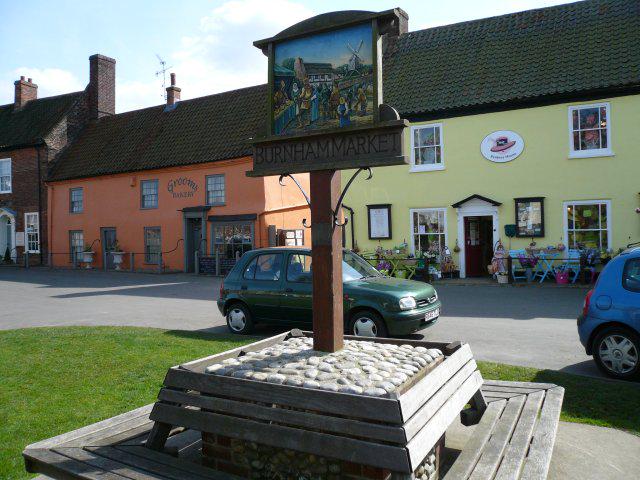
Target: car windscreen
x,y
355,267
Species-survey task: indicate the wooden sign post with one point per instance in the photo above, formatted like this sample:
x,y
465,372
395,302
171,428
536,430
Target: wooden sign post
x,y
322,124
326,251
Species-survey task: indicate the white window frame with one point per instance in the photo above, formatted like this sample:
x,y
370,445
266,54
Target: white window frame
x,y
27,233
8,160
429,209
596,152
426,167
224,189
565,206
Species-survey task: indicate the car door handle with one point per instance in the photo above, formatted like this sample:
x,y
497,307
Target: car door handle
x,y
288,290
243,287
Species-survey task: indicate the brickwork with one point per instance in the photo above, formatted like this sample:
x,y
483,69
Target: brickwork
x,y
257,461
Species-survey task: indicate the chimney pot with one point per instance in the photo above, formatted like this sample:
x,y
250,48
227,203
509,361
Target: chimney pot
x,y
25,91
173,92
29,80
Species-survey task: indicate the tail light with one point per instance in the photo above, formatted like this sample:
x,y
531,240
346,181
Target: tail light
x,y
221,288
587,301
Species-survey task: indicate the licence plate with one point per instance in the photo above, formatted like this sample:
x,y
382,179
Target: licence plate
x,y
432,314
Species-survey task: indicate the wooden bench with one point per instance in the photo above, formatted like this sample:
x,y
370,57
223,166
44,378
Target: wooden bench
x,y
514,439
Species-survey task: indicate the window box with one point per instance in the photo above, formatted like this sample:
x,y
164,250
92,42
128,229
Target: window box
x,y
590,131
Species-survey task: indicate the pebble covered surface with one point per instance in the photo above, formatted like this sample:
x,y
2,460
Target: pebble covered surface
x,y
361,367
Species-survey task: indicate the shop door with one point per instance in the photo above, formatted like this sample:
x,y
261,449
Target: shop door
x,y
108,246
194,242
478,238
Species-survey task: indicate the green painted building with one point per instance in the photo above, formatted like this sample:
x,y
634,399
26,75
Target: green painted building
x,y
528,120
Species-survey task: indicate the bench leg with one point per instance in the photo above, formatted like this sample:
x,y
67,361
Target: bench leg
x,y
158,436
471,416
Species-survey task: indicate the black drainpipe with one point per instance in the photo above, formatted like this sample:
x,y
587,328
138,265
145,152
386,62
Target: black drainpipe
x,y
353,235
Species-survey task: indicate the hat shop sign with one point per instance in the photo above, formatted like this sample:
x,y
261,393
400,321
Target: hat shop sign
x,y
502,146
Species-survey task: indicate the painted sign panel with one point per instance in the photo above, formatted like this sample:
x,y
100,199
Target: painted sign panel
x,y
324,81
182,187
502,146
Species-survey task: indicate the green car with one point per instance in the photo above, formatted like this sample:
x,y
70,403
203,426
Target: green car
x,y
273,285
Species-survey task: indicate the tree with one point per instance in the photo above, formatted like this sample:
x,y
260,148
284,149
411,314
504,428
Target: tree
x,y
289,63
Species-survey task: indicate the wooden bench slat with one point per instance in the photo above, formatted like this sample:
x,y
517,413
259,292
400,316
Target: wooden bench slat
x,y
327,423
423,441
353,450
539,458
52,464
370,408
516,451
412,400
140,463
118,432
466,461
186,465
101,464
512,390
494,449
517,385
417,421
112,422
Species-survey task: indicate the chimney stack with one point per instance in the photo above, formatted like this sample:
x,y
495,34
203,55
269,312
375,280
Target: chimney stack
x,y
173,92
102,86
25,91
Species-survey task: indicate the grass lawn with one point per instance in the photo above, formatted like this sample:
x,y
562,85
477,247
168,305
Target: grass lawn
x,y
53,380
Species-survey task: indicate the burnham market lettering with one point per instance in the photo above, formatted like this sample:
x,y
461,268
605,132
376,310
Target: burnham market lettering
x,y
329,149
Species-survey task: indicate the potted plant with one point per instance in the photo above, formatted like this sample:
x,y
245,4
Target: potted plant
x,y
118,255
528,263
87,256
7,256
384,267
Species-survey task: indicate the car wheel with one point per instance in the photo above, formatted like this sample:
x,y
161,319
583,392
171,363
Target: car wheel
x,y
239,319
367,324
616,351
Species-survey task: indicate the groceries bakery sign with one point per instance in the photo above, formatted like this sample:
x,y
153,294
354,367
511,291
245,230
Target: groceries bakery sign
x,y
325,105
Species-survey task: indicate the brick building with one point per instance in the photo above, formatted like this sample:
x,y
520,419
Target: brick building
x,y
33,132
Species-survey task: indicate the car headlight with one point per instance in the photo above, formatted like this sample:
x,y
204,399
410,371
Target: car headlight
x,y
435,296
407,303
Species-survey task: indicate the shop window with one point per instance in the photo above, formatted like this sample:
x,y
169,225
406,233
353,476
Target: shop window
x,y
152,245
426,148
32,231
587,224
215,190
264,267
5,175
76,200
232,240
76,245
429,229
149,192
291,238
631,275
590,131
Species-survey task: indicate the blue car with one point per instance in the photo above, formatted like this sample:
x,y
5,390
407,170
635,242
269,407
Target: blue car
x,y
609,326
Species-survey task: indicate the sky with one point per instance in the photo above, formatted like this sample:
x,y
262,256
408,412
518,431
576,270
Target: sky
x,y
207,43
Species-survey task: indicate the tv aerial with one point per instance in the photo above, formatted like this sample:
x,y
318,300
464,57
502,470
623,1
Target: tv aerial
x,y
163,71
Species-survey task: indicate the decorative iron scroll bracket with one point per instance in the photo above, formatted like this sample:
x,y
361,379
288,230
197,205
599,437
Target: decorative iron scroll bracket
x,y
336,212
306,197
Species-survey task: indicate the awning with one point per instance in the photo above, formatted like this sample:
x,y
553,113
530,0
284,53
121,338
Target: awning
x,y
233,218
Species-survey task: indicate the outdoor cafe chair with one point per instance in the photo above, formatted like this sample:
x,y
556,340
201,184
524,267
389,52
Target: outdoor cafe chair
x,y
517,271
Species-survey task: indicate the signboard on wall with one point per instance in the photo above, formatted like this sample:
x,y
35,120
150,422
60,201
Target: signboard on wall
x,y
502,146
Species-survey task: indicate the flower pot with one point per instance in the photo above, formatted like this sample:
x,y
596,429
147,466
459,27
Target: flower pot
x,y
117,259
87,259
562,278
529,273
502,278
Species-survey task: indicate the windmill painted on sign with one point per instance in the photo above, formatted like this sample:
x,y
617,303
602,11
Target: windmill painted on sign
x,y
355,62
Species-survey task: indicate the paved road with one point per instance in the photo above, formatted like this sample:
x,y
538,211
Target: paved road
x,y
521,326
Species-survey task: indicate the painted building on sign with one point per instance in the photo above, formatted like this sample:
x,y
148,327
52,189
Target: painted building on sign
x,y
163,183
540,143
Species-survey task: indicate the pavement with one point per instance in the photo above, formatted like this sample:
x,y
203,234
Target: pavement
x,y
528,326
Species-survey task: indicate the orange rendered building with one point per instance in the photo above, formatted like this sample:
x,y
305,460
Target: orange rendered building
x,y
163,183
